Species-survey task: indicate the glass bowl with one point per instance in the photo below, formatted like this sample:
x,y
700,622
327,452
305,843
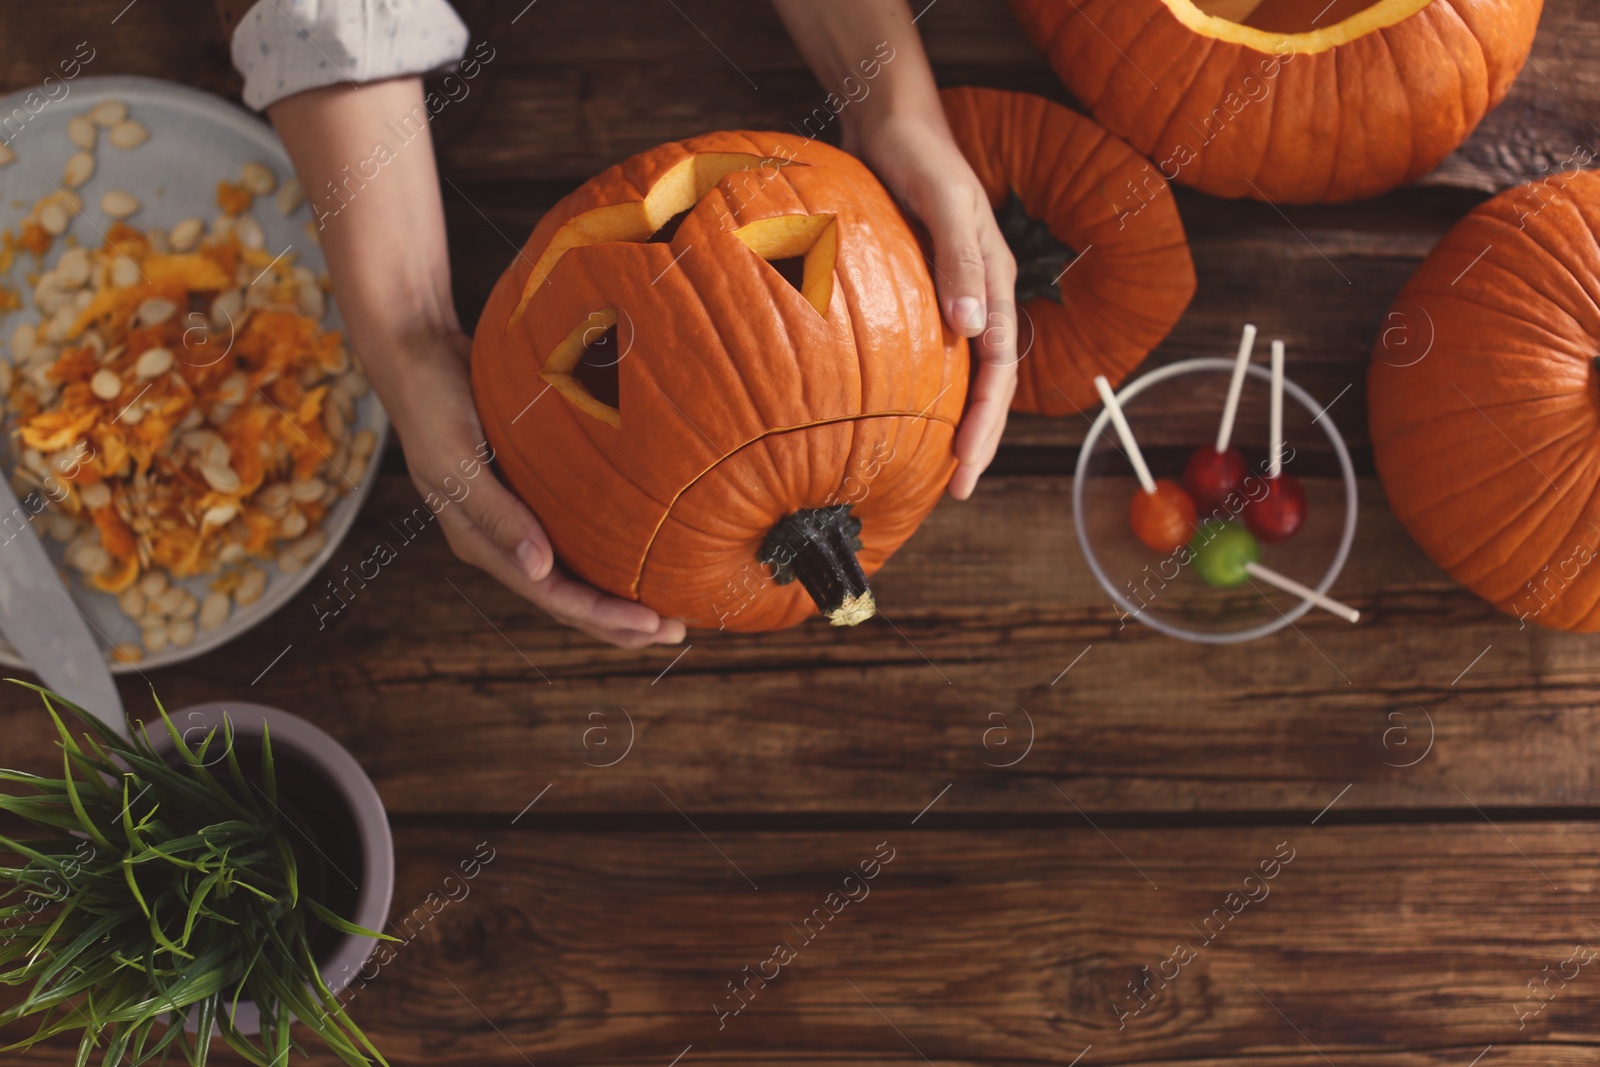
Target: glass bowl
x,y
1161,590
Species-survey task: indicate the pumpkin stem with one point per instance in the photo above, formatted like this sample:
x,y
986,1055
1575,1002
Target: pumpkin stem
x,y
818,546
1041,259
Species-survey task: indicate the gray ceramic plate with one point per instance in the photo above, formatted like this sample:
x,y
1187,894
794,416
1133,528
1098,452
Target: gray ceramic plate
x,y
195,141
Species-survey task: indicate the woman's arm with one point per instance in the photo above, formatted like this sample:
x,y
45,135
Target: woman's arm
x,y
383,235
898,127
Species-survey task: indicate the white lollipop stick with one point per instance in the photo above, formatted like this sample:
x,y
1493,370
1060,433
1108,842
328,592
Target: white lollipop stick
x,y
1289,585
1247,344
1131,446
1275,456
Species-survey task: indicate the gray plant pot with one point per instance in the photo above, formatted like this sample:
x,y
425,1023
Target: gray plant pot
x,y
358,851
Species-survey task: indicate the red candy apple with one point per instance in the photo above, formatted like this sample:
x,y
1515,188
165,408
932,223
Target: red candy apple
x,y
1211,476
1278,515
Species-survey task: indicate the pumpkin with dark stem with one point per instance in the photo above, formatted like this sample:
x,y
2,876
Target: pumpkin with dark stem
x,y
1484,402
1064,189
718,374
1292,101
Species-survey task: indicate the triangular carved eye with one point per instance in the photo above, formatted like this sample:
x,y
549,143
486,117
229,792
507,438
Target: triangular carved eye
x,y
801,248
584,367
655,217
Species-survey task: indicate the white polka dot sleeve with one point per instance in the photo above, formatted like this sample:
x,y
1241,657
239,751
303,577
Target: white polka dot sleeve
x,y
283,47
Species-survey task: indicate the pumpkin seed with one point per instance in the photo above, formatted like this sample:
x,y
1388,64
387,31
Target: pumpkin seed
x,y
232,552
22,339
95,496
182,633
307,489
156,638
61,323
219,514
124,272
333,422
258,178
133,414
131,601
186,234
79,169
290,196
222,479
309,545
72,271
61,527
293,524
128,134
197,440
152,363
125,653
54,219
250,587
119,203
88,559
233,388
82,131
248,230
170,601
106,384
191,419
214,610
274,498
108,112
155,310
311,301
226,308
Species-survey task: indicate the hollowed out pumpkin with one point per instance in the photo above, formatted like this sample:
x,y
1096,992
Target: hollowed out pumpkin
x,y
719,367
1287,100
1103,269
1484,401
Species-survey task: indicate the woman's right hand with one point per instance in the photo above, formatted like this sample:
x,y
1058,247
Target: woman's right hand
x,y
430,403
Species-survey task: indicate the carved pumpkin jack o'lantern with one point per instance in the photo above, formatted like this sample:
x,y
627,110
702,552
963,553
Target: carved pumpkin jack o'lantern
x,y
719,367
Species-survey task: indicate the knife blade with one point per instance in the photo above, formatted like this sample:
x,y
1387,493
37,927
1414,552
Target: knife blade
x,y
45,625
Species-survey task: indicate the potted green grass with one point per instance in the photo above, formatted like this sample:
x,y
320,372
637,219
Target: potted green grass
x,y
165,891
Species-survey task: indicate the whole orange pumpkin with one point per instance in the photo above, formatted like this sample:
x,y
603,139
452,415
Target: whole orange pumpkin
x,y
1484,401
1287,100
1064,189
719,367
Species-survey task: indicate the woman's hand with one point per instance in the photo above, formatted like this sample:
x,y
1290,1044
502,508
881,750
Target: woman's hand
x,y
393,287
486,525
916,157
866,53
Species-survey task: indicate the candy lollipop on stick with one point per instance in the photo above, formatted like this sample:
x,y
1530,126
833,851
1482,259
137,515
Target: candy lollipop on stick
x,y
1225,555
1278,514
1161,513
1214,474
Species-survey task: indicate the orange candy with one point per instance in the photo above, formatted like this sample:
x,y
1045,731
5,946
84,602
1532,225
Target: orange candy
x,y
1164,519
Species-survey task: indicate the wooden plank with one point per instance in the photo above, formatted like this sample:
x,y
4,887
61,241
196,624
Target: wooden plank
x,y
449,709
590,95
574,88
1371,945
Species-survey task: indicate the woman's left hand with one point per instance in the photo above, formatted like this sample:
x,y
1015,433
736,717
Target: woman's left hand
x,y
916,157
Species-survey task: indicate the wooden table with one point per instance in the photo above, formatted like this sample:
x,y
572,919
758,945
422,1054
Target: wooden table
x,y
1421,785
